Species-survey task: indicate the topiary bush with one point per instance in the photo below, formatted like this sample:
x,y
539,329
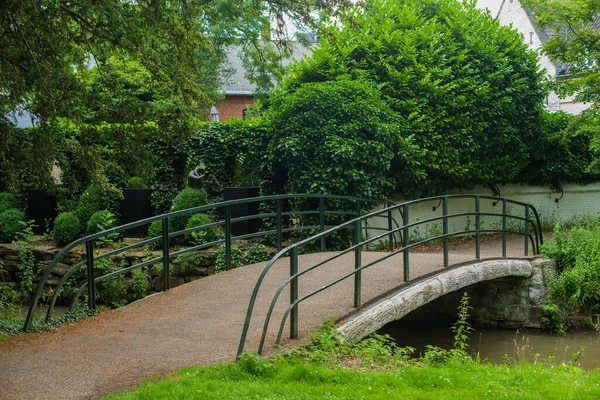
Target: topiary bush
x,y
187,198
66,228
7,201
12,222
101,221
155,230
202,236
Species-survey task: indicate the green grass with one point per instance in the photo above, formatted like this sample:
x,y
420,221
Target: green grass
x,y
374,368
297,380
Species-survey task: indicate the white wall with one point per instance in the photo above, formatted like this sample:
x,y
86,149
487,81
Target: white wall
x,y
578,201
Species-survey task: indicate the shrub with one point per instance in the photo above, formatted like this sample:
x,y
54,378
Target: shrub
x,y
576,289
12,222
66,228
139,283
101,221
236,258
135,182
7,201
187,198
90,202
256,253
335,137
155,230
202,236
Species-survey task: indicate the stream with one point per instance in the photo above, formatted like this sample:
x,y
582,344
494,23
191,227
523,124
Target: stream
x,y
500,345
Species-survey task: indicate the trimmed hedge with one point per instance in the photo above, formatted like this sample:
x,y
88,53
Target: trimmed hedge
x,y
66,228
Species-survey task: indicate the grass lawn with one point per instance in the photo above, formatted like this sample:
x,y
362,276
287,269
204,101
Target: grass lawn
x,y
290,379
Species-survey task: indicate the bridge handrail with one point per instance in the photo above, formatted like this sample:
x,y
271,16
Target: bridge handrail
x,y
166,235
536,239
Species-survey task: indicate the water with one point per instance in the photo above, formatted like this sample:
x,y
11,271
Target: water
x,y
496,345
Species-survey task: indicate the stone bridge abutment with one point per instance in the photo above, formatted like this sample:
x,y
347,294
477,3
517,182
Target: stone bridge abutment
x,y
504,293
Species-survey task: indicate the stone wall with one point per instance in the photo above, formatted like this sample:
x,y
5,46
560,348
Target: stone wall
x,y
11,273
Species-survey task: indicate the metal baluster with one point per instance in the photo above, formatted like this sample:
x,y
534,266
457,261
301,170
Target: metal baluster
x,y
279,227
322,221
526,230
357,260
477,228
445,228
89,255
165,249
504,227
405,218
228,238
294,294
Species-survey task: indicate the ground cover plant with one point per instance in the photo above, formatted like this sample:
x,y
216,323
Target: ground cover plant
x,y
574,293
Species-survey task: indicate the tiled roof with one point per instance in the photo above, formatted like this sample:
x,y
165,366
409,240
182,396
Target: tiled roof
x,y
235,81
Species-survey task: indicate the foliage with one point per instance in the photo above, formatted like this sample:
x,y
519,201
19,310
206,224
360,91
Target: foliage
x,y
256,253
169,169
155,230
111,291
461,327
236,258
205,235
66,228
466,90
7,201
231,153
12,222
174,47
139,283
574,43
90,202
562,153
189,260
187,198
576,289
135,182
335,137
101,221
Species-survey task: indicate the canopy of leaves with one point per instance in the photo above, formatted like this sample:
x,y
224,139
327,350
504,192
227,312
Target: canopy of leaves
x,y
573,28
175,48
467,89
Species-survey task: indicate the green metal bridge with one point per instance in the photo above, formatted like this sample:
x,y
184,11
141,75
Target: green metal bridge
x,y
325,264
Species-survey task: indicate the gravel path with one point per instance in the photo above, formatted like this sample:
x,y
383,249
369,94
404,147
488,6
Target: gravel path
x,y
198,323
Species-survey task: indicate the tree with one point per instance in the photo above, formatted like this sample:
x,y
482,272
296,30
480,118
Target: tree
x,y
574,30
45,46
464,87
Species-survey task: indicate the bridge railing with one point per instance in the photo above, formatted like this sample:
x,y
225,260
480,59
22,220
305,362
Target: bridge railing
x,y
277,208
528,226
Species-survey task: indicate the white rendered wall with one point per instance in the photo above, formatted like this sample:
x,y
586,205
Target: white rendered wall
x,y
577,202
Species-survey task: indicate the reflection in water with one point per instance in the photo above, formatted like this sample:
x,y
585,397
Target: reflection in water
x,y
496,345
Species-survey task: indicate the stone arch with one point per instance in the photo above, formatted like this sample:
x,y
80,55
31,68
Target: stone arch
x,y
411,297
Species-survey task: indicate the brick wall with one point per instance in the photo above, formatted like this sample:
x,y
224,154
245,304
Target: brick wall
x,y
234,106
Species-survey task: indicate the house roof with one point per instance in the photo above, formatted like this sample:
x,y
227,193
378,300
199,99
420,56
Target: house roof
x,y
236,83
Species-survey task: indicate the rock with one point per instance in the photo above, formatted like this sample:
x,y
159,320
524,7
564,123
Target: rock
x,y
5,276
11,257
60,269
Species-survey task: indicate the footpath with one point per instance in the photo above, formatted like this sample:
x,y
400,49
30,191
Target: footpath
x,y
199,323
